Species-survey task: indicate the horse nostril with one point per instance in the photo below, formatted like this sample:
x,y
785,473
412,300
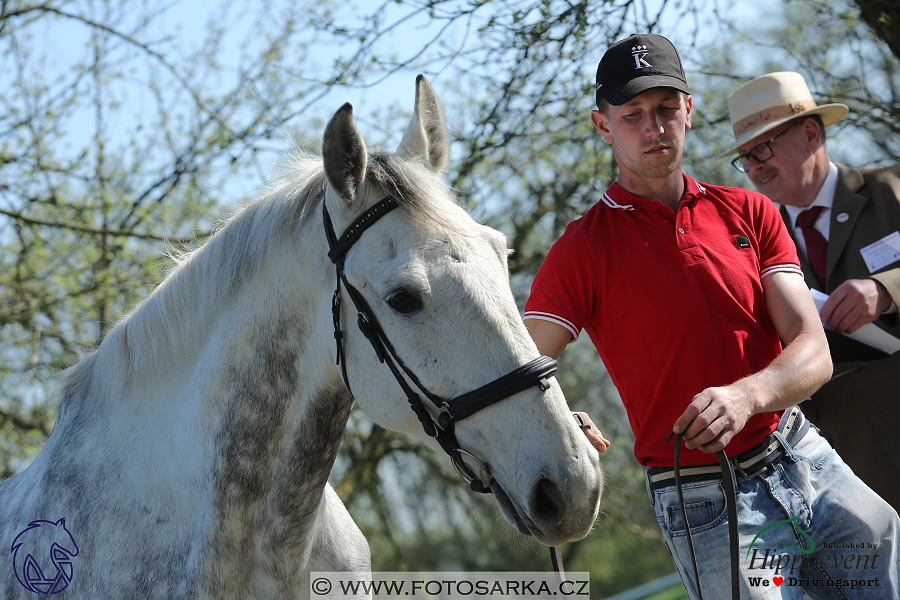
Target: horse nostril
x,y
547,502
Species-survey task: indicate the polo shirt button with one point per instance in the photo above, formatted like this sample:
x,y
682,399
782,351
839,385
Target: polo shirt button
x,y
681,231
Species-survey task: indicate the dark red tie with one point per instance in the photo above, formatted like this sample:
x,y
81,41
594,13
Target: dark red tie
x,y
816,244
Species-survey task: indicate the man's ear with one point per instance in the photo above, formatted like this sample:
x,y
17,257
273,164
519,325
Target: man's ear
x,y
689,105
601,122
812,134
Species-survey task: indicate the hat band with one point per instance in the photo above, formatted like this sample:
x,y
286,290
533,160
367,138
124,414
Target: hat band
x,y
774,113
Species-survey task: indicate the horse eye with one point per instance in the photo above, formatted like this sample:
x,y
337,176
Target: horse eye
x,y
404,302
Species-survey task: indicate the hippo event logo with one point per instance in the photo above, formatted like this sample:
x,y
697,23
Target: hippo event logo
x,y
42,556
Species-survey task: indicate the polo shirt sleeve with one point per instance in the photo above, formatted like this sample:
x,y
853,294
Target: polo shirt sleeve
x,y
777,252
563,291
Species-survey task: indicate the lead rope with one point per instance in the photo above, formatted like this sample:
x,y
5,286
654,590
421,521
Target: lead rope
x,y
731,506
556,559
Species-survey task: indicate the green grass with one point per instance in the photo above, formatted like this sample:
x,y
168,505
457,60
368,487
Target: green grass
x,y
676,592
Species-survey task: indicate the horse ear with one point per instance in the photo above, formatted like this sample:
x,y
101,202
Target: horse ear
x,y
344,154
426,136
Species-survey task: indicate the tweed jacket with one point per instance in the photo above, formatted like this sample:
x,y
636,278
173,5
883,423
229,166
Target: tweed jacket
x,y
857,411
871,200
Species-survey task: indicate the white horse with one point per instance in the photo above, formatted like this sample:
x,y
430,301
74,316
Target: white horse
x,y
192,449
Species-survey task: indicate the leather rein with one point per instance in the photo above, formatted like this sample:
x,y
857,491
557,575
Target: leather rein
x,y
731,506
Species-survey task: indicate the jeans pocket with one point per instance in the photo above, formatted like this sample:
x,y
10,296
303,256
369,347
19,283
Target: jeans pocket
x,y
705,509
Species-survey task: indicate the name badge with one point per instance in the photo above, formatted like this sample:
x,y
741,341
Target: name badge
x,y
882,253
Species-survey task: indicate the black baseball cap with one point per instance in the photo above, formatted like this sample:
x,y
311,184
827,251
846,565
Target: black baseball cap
x,y
636,64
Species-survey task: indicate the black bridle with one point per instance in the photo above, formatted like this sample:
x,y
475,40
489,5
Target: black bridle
x,y
534,373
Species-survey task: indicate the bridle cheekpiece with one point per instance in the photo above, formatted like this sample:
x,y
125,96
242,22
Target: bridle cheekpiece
x,y
535,373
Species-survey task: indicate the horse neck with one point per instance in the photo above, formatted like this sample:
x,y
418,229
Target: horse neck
x,y
255,274
234,328
232,371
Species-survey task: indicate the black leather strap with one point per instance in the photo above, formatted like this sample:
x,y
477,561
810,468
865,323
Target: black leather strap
x,y
338,248
535,372
557,561
731,505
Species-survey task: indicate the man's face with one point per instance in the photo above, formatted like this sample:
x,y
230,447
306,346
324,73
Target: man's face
x,y
647,132
786,176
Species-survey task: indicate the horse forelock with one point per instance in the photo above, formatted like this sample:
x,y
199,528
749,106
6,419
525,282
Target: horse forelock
x,y
416,188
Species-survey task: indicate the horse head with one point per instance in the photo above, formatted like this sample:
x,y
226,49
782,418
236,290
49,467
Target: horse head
x,y
437,283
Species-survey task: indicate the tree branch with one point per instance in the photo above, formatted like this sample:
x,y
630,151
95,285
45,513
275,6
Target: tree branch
x,y
101,230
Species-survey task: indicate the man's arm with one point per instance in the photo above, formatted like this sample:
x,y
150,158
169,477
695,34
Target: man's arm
x,y
551,339
717,414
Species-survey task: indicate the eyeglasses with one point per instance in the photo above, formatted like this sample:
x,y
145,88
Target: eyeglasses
x,y
760,152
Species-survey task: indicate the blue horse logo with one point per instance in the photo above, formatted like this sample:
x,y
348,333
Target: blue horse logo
x,y
30,550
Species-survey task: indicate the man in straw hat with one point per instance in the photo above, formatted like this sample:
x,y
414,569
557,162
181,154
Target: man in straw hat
x,y
686,290
846,225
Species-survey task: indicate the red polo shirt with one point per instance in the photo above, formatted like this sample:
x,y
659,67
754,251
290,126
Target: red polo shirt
x,y
672,301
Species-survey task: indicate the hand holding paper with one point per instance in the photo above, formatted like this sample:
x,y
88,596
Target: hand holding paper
x,y
854,303
869,334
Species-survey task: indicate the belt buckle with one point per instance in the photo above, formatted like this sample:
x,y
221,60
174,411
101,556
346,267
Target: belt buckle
x,y
744,474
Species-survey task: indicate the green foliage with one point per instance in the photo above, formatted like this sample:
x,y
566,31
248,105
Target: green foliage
x,y
838,55
530,162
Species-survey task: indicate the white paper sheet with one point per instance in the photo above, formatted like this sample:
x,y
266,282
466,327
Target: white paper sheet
x,y
868,334
882,253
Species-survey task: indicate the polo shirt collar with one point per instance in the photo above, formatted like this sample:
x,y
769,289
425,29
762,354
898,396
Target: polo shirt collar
x,y
618,197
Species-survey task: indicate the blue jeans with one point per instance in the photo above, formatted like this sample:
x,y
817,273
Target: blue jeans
x,y
808,525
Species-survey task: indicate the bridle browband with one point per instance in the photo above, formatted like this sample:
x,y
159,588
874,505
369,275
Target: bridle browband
x,y
537,372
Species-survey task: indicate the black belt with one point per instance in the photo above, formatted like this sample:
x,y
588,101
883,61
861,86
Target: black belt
x,y
792,427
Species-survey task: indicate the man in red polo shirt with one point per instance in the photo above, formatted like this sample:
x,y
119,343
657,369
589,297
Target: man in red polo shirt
x,y
687,290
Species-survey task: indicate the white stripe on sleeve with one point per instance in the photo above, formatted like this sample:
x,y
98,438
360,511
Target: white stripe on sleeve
x,y
543,316
783,268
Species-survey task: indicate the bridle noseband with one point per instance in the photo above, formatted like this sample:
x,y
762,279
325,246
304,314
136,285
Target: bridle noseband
x,y
536,372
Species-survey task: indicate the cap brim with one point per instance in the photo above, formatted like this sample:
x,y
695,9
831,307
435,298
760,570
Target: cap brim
x,y
830,113
639,85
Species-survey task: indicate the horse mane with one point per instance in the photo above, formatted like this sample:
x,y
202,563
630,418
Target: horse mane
x,y
178,309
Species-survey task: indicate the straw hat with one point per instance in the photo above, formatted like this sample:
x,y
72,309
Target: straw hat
x,y
768,101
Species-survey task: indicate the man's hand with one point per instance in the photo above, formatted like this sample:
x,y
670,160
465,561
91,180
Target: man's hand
x,y
717,414
714,417
854,303
590,431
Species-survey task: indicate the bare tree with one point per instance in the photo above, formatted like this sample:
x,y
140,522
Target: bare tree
x,y
118,138
883,18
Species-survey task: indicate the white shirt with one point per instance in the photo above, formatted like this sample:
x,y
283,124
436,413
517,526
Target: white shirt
x,y
825,199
